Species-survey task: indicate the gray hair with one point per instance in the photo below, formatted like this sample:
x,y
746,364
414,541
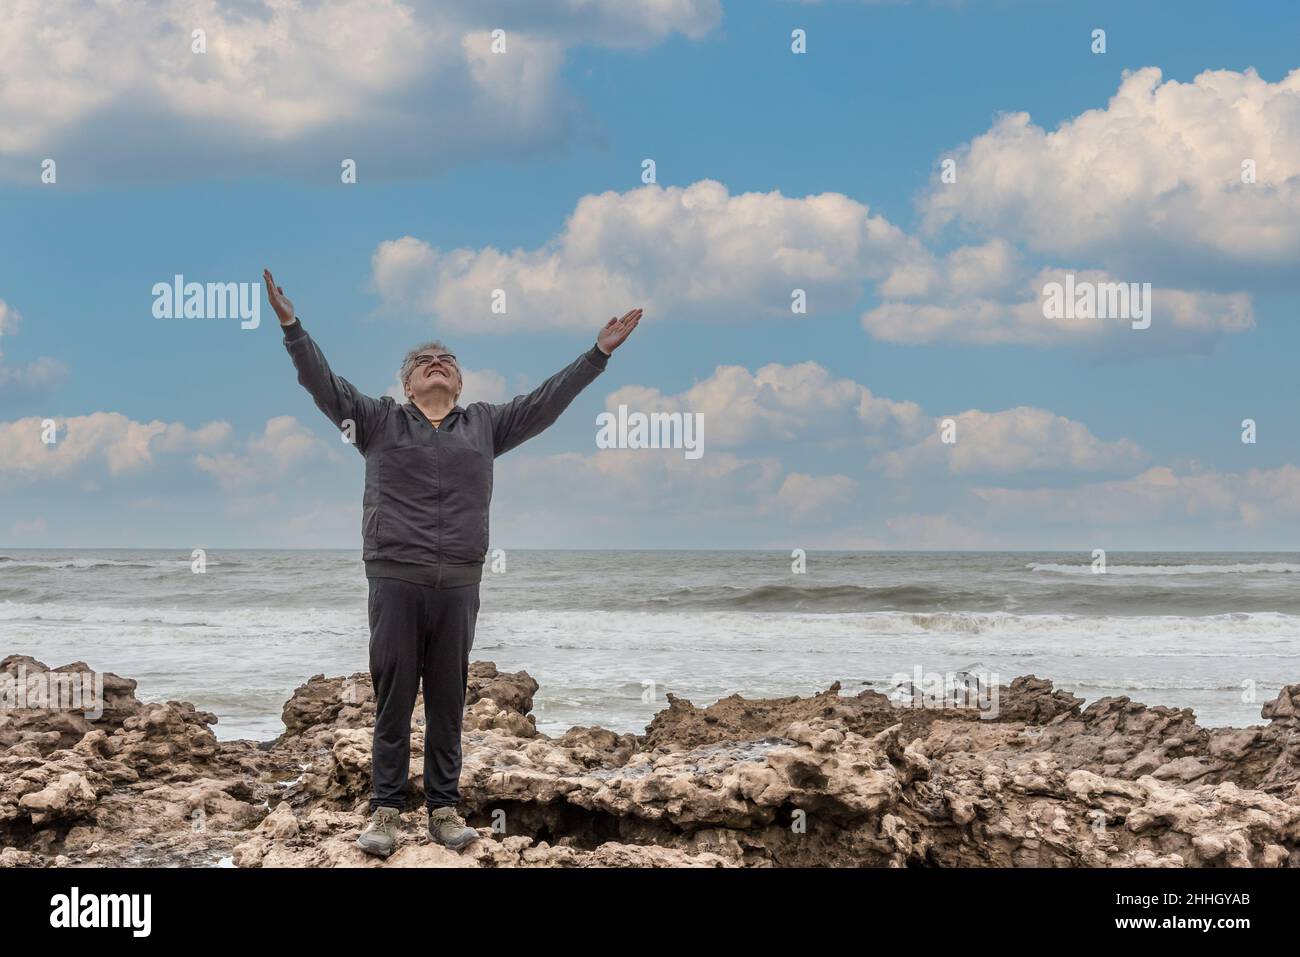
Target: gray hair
x,y
408,364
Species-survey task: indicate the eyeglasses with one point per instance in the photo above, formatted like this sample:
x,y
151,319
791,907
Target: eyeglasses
x,y
445,358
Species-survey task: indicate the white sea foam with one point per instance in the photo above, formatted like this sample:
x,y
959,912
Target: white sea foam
x,y
83,563
253,621
555,628
1237,568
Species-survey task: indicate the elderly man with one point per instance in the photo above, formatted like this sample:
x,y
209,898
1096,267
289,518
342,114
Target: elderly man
x,y
425,535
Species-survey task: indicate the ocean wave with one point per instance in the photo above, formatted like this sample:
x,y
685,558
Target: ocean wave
x,y
254,620
1238,568
1262,634
1241,624
83,564
1056,594
1056,633
824,598
1130,686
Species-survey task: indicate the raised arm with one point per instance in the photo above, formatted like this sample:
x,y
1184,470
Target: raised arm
x,y
525,416
338,398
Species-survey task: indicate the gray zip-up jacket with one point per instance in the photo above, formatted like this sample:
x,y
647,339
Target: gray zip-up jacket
x,y
424,515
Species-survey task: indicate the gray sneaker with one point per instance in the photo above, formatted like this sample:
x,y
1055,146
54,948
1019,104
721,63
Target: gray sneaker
x,y
380,835
448,829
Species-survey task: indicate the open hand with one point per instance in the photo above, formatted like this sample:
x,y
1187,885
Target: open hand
x,y
613,333
279,302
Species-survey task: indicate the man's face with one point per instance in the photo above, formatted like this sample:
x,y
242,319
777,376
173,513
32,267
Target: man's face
x,y
435,371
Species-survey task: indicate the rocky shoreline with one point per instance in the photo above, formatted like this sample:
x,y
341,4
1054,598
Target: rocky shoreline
x,y
828,780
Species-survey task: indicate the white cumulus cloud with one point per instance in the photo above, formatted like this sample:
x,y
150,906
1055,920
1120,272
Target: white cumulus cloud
x,y
786,403
1152,182
284,445
117,89
1015,440
98,442
693,252
985,294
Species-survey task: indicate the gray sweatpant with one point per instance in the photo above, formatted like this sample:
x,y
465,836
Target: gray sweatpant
x,y
419,633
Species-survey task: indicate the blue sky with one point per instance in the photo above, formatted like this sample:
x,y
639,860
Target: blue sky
x,y
178,433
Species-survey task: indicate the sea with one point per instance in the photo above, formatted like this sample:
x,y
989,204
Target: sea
x,y
609,635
